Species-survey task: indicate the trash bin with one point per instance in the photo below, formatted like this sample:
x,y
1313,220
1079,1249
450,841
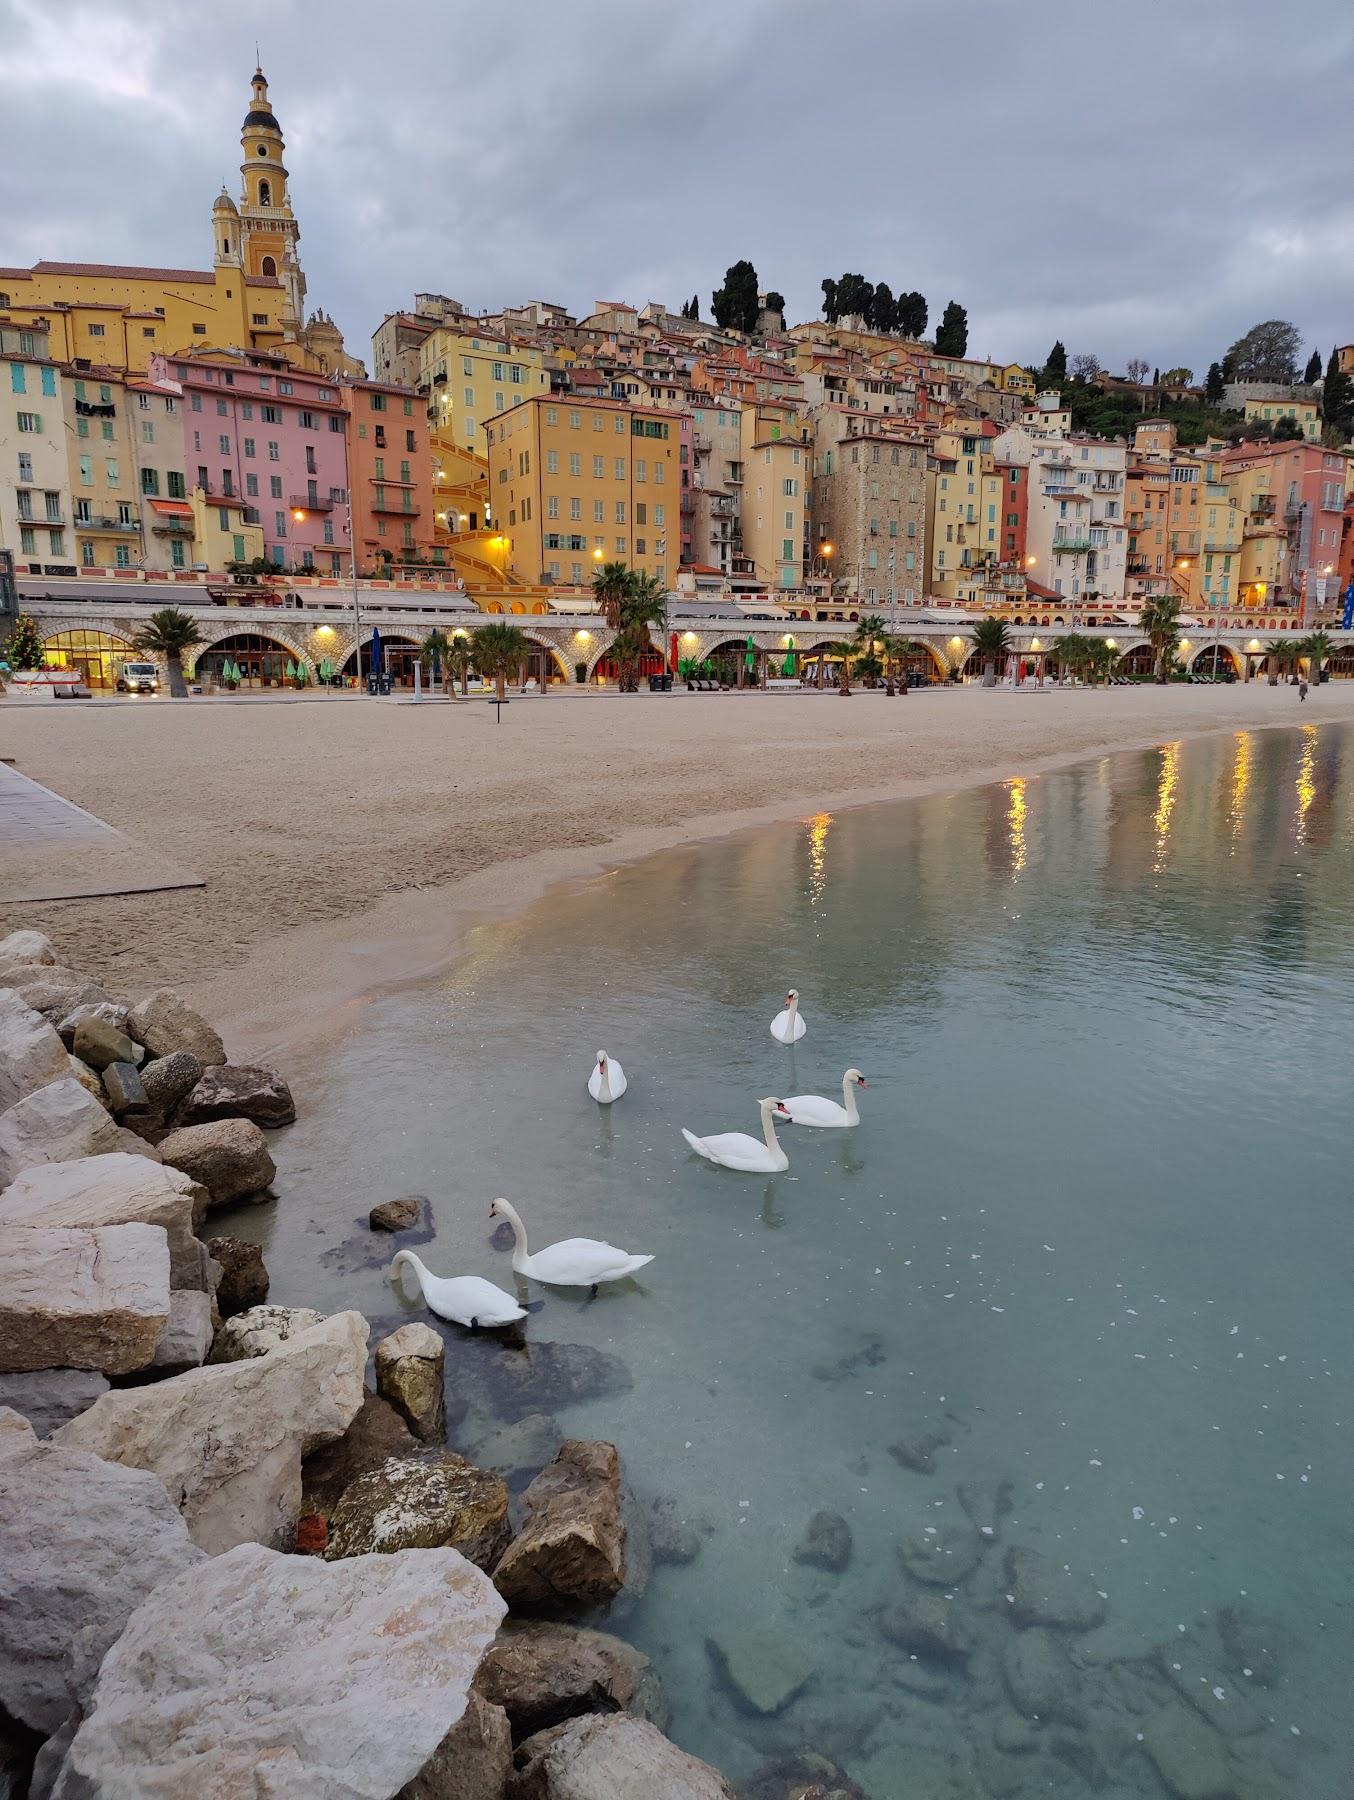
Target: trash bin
x,y
373,684
385,681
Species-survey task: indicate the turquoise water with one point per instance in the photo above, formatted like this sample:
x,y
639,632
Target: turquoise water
x,y
1093,1235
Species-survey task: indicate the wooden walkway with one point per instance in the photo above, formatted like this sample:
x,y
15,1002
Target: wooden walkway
x,y
51,849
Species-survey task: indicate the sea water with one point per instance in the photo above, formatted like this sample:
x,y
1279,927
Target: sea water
x,y
1087,1258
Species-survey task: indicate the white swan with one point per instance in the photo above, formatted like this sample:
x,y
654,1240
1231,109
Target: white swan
x,y
737,1150
813,1109
607,1081
465,1299
787,1027
573,1262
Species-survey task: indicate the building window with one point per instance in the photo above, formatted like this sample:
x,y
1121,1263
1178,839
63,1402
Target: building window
x,y
199,330
30,421
177,557
86,553
175,485
96,331
279,524
28,542
275,486
599,512
56,543
83,511
150,481
87,470
274,454
256,318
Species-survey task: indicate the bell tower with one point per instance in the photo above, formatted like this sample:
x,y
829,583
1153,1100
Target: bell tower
x,y
269,233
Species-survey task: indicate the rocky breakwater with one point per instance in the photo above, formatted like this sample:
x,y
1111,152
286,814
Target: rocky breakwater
x,y
174,1453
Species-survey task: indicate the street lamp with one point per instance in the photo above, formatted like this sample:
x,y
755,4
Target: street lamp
x,y
299,514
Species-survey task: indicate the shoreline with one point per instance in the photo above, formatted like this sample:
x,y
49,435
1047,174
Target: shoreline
x,y
407,948
352,851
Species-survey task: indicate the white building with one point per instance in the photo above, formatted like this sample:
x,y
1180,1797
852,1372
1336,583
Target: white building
x,y
1076,535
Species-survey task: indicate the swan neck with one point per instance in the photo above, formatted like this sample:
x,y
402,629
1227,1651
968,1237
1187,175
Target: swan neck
x,y
769,1131
849,1100
519,1233
604,1083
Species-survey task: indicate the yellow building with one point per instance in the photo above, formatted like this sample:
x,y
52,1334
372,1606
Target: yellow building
x,y
470,377
575,482
965,495
1306,412
1264,557
105,488
253,296
777,472
221,533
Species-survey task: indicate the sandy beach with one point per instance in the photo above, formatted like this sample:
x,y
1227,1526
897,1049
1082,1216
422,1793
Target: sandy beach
x,y
348,845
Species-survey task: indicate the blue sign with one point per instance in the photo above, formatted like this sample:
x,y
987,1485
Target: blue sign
x,y
1347,618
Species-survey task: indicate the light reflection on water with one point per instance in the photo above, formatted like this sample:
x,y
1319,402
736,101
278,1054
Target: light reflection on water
x,y
1094,1230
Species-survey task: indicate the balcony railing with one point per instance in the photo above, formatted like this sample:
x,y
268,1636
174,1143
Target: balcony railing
x,y
308,504
1070,546
102,522
405,508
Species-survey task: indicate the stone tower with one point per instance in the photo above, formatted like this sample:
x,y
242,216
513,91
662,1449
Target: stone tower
x,y
269,233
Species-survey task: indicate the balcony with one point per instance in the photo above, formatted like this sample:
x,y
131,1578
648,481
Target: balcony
x,y
1138,565
308,503
701,440
1262,506
46,518
1070,546
404,508
95,409
722,506
103,522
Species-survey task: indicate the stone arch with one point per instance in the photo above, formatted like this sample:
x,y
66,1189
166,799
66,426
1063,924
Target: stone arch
x,y
1206,650
266,199
552,649
517,606
93,654
261,656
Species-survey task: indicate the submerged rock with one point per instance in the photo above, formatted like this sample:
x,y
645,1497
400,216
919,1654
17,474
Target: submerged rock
x,y
944,1559
519,1452
409,1373
166,1024
73,1298
918,1451
542,1673
1042,1683
255,1673
82,1543
826,1543
244,1279
227,1441
444,1502
229,1157
260,1329
377,1434
397,1215
673,1539
867,1353
762,1665
1250,1645
1189,1757
1046,1593
570,1553
987,1503
807,1776
543,1376
611,1756
927,1625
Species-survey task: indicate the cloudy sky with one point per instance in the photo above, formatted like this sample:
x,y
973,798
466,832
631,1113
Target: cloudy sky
x,y
1145,179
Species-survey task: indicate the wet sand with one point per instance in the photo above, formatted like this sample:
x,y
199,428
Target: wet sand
x,y
350,845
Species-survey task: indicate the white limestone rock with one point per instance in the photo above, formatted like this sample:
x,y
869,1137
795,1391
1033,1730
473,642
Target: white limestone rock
x,y
31,1053
186,1339
260,1329
52,990
82,1543
610,1756
258,1674
82,1299
58,1123
48,1397
26,947
116,1188
227,1440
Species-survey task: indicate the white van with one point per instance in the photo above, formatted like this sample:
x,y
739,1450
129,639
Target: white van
x,y
138,678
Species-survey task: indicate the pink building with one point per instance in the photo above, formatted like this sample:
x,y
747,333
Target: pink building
x,y
1308,485
256,429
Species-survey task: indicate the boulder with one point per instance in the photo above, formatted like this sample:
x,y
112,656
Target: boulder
x,y
89,1080
57,1124
31,1053
673,1539
375,1435
186,1339
473,1761
244,1279
941,1561
1045,1593
165,1023
763,1664
928,1625
82,1299
519,1452
807,1776
397,1215
54,991
1042,1683
826,1543
48,1397
570,1551
260,1329
409,1368
918,1452
98,1042
987,1503
167,1079
257,1673
26,947
442,1503
122,1085
542,1673
229,1157
114,1189
237,1092
543,1376
610,1756
111,1012
1190,1757
227,1441
82,1543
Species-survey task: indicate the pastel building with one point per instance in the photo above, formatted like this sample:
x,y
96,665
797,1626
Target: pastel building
x,y
390,473
777,458
101,451
35,506
261,435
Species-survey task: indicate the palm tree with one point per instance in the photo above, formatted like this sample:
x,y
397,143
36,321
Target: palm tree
x,y
168,633
644,604
991,640
433,655
500,651
1072,651
896,650
610,586
458,659
865,648
1280,654
1316,649
1160,619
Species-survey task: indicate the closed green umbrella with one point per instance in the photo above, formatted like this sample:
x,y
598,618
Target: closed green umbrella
x,y
750,660
326,669
291,670
788,666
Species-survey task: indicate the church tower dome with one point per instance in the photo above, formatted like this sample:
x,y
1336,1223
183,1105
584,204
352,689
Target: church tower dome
x,y
269,233
226,231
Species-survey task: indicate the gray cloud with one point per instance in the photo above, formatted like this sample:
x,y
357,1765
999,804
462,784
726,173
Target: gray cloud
x,y
1145,181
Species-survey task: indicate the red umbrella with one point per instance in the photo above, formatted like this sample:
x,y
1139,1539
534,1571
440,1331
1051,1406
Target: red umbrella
x,y
672,652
